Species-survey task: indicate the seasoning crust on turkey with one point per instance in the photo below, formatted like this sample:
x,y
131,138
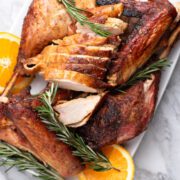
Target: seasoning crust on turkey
x,y
99,97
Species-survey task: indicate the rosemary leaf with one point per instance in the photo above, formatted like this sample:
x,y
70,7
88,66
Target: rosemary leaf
x,y
14,157
96,160
144,74
76,13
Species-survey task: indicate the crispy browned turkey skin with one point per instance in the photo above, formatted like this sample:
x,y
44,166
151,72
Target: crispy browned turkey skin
x,y
152,20
45,21
122,116
10,134
21,127
154,17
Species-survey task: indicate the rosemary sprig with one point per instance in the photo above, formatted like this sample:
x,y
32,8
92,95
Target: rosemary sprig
x,y
76,13
144,73
96,160
13,157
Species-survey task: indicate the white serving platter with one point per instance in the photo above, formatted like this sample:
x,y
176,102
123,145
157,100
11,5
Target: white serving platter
x,y
132,145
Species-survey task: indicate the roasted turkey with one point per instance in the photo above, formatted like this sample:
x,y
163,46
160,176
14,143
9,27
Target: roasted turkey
x,y
88,68
152,21
21,127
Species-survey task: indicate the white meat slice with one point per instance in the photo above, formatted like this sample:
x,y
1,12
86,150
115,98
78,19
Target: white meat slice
x,y
114,25
78,111
76,81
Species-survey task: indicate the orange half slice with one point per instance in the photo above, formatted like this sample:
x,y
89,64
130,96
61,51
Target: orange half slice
x,y
9,46
120,159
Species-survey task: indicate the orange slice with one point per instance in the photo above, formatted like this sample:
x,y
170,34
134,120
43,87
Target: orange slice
x,y
9,46
120,159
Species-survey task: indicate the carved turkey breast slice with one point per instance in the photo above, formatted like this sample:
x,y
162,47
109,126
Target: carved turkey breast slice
x,y
84,39
75,81
90,62
76,113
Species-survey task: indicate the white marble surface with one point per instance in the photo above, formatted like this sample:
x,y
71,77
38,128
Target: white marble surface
x,y
158,157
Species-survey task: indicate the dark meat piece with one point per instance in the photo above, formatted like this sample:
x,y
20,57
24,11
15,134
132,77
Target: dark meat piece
x,y
122,116
32,135
10,134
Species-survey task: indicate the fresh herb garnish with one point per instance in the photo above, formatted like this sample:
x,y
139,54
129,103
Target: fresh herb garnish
x,y
76,13
144,74
13,157
96,160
